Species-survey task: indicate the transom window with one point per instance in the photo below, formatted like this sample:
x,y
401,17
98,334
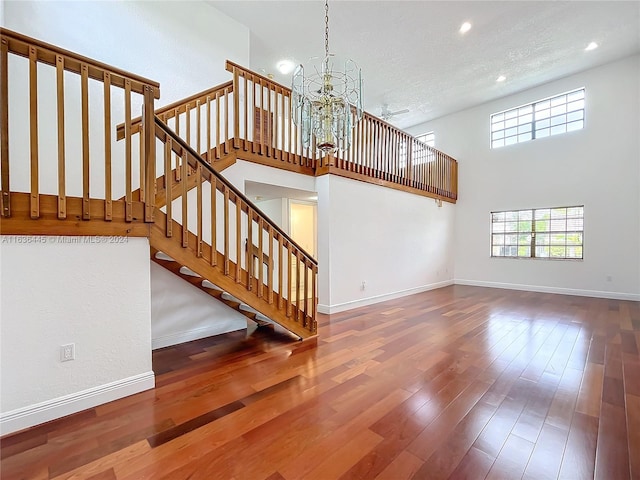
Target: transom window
x,y
538,233
550,116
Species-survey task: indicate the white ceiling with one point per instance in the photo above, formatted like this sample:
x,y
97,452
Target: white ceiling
x,y
412,55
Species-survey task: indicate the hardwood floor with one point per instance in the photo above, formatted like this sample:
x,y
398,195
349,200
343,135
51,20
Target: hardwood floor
x,y
461,383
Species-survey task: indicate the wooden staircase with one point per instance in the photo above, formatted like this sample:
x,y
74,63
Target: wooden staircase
x,y
248,118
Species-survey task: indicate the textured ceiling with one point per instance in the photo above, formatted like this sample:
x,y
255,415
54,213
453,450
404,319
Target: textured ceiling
x,y
412,55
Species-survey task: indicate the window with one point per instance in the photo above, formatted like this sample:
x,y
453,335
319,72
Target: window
x,y
550,116
429,138
538,233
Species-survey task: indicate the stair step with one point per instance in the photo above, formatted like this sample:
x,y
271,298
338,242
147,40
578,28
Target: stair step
x,y
228,296
212,286
187,271
164,256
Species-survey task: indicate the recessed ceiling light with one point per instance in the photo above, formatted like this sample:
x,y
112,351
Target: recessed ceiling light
x,y
501,78
591,46
465,27
285,66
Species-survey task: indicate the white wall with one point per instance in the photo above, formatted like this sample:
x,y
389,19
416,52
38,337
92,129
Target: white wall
x,y
397,243
181,313
181,44
598,166
56,291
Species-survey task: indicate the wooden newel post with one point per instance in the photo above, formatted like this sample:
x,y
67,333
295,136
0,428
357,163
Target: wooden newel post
x,y
149,152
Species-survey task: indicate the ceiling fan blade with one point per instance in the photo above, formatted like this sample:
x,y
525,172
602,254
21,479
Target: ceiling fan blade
x,y
399,112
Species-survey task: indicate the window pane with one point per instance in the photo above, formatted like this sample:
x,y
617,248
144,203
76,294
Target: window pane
x,y
511,239
575,224
543,105
558,238
542,133
497,216
542,252
575,125
542,225
511,123
542,239
543,114
497,118
558,129
525,119
497,126
524,251
574,238
543,124
511,140
510,114
523,137
560,99
526,109
524,239
574,252
497,240
557,252
579,105
497,251
575,212
542,213
579,115
558,213
497,143
524,128
575,95
559,110
558,120
511,216
498,135
525,215
557,225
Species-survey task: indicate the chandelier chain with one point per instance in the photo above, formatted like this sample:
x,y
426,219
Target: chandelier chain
x,y
326,28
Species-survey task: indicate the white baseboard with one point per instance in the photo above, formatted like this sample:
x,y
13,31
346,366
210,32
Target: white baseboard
x,y
46,411
342,307
557,290
195,334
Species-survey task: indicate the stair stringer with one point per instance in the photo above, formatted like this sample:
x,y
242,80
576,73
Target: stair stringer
x,y
291,319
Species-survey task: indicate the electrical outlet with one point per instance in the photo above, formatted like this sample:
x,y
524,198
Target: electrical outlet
x,y
609,278
363,286
67,352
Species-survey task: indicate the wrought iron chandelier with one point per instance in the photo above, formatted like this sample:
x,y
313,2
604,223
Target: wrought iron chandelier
x,y
327,104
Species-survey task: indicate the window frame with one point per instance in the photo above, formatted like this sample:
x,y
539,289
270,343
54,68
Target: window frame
x,y
526,122
534,216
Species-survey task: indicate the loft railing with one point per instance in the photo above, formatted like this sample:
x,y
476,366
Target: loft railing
x,y
379,151
62,144
219,220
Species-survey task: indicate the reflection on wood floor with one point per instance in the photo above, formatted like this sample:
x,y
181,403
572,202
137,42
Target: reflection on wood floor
x,y
460,382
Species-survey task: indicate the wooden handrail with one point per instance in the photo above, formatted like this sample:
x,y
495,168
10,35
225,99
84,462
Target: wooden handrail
x,y
37,53
182,149
175,108
46,53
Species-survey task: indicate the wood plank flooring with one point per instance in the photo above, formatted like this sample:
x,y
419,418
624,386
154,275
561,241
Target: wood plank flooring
x,y
461,383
